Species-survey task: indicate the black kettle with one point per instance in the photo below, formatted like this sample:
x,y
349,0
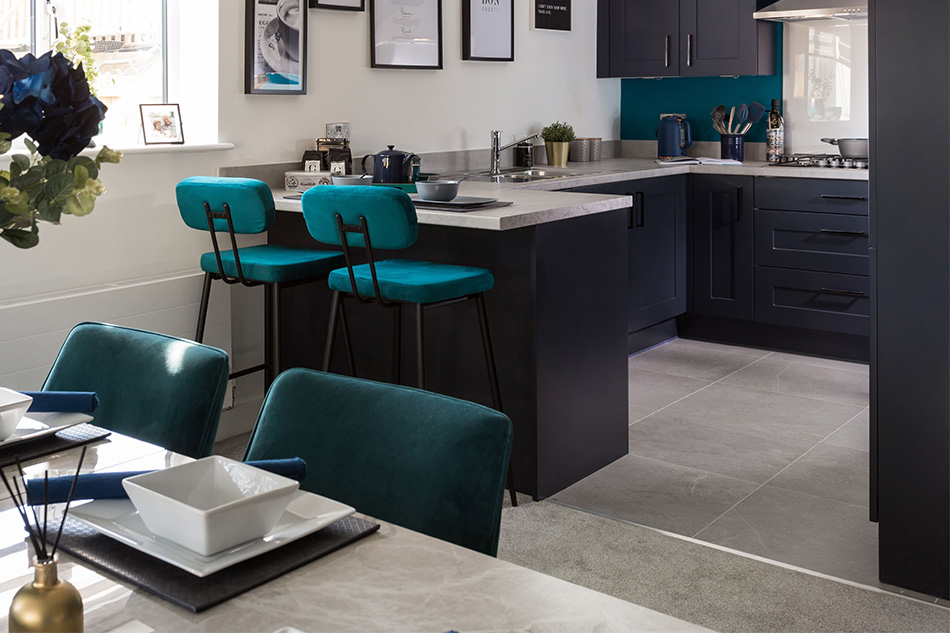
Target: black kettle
x,y
391,166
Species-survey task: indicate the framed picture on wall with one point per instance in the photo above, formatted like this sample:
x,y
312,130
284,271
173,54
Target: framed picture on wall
x,y
343,5
406,33
161,123
488,30
553,15
275,47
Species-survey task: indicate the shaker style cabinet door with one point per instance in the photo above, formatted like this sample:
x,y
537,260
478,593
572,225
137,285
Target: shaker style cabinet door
x,y
723,247
643,38
719,37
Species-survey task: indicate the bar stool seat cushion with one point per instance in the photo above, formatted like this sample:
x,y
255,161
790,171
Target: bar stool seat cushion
x,y
275,263
414,281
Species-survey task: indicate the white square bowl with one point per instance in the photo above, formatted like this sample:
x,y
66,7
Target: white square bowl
x,y
13,406
211,504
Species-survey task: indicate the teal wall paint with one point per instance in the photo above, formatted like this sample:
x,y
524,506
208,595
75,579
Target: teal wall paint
x,y
643,100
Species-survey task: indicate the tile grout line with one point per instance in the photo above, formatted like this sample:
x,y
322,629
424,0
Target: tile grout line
x,y
780,473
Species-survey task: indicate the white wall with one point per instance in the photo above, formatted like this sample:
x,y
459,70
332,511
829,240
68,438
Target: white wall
x,y
135,231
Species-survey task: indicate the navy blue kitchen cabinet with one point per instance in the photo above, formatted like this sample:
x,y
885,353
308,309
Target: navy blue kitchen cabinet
x,y
722,246
683,38
656,251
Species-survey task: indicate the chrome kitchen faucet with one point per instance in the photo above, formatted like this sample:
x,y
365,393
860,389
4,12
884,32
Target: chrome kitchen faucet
x,y
497,147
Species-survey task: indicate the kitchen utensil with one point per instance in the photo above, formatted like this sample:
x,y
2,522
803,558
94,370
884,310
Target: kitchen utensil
x,y
718,114
756,110
390,166
673,137
211,504
441,191
732,117
13,406
850,148
742,114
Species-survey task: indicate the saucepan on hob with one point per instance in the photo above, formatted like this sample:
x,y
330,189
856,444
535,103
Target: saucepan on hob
x,y
850,148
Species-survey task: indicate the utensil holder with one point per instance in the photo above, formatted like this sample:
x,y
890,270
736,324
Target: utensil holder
x,y
579,150
733,147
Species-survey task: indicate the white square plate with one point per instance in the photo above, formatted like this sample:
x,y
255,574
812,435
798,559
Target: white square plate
x,y
38,424
306,513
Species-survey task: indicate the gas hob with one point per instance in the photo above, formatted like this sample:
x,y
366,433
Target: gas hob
x,y
821,160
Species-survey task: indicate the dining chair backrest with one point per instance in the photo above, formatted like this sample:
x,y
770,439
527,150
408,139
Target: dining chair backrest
x,y
389,213
423,461
153,387
250,201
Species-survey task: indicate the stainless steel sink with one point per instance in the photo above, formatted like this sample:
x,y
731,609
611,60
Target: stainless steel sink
x,y
520,176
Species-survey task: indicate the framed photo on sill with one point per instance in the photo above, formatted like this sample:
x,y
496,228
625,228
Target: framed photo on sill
x,y
161,123
406,33
275,47
343,5
488,30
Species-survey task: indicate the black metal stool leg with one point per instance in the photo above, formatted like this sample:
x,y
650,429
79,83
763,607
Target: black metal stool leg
x,y
420,348
493,380
203,307
271,333
397,343
347,346
331,331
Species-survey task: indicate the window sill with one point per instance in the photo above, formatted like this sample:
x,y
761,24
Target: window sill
x,y
162,148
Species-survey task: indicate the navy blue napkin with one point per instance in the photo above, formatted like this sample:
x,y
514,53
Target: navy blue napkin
x,y
83,402
99,486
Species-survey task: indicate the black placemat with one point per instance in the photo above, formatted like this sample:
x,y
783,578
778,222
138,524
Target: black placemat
x,y
435,206
74,436
200,593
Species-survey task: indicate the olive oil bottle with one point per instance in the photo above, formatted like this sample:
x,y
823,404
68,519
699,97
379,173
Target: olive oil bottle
x,y
775,133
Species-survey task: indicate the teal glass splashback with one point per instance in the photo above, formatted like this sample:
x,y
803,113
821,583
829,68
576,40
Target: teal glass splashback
x,y
643,100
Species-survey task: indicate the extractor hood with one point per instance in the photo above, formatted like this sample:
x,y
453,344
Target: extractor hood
x,y
792,10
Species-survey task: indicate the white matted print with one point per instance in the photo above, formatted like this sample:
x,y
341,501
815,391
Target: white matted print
x,y
161,123
488,32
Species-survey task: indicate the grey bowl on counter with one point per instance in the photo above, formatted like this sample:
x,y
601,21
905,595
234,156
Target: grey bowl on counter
x,y
352,179
438,191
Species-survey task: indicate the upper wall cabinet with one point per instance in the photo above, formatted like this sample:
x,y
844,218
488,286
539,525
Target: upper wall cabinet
x,y
683,38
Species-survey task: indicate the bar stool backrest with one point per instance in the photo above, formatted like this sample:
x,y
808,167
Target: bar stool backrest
x,y
250,202
389,213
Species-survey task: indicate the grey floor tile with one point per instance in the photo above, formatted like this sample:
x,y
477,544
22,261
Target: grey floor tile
x,y
656,494
738,408
724,347
681,358
834,364
786,376
803,530
653,390
752,456
855,434
835,473
636,414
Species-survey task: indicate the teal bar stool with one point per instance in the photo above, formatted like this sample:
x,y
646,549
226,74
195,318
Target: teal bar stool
x,y
385,218
245,205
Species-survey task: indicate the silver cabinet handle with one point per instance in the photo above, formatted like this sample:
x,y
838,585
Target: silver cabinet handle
x,y
666,59
689,49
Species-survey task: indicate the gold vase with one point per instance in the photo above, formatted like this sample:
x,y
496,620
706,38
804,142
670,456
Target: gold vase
x,y
46,604
557,153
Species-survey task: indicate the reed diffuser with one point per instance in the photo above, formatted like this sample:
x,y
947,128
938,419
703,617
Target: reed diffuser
x,y
46,604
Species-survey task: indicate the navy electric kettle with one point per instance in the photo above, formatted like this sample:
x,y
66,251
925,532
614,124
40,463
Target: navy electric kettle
x,y
391,166
673,137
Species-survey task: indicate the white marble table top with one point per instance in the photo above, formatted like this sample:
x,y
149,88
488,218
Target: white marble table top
x,y
393,580
540,201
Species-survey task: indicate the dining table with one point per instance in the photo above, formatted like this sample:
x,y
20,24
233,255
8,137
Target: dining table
x,y
394,579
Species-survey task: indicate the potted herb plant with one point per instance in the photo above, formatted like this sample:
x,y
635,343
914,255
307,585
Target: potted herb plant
x,y
557,138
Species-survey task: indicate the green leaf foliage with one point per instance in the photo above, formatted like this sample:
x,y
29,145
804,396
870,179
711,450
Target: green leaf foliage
x,y
80,176
50,212
20,238
21,161
558,132
58,187
30,146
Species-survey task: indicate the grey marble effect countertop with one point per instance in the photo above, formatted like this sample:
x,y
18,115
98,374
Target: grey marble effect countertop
x,y
540,201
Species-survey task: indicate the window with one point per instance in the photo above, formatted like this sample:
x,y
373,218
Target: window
x,y
128,44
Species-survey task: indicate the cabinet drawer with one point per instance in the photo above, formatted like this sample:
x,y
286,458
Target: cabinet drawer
x,y
808,299
835,243
807,194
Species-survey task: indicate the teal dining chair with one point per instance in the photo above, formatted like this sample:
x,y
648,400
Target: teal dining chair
x,y
424,461
157,388
246,206
385,218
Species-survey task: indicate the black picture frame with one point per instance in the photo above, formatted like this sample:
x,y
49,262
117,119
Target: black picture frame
x,y
470,45
269,64
350,5
399,54
552,15
161,124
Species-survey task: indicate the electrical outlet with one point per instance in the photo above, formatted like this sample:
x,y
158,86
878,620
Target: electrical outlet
x,y
339,130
